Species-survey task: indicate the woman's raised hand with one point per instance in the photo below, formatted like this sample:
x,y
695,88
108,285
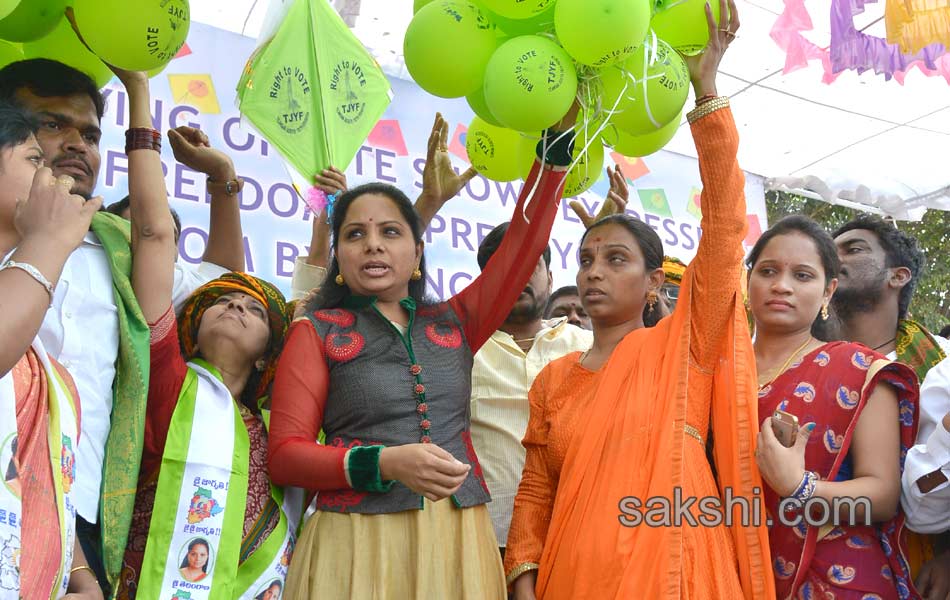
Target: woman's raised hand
x,y
615,203
704,66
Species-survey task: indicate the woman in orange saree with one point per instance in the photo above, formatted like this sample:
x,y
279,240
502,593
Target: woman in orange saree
x,y
622,428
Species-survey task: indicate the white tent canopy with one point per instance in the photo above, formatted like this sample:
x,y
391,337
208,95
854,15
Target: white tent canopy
x,y
858,140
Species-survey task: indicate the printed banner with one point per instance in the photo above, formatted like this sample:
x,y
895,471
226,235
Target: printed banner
x,y
198,89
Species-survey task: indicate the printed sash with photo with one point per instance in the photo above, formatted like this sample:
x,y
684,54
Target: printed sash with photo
x,y
195,534
266,568
62,438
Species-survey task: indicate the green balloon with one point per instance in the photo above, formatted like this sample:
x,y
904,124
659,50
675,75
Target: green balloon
x,y
10,53
151,32
7,6
640,145
31,20
587,170
63,45
497,153
417,4
476,101
540,23
682,24
518,9
530,83
648,89
601,32
447,46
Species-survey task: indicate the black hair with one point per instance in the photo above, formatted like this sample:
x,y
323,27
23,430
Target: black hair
x,y
650,246
267,589
16,124
900,250
945,332
567,290
330,294
48,79
12,473
827,251
491,242
192,544
119,207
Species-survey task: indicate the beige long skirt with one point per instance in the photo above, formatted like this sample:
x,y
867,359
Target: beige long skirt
x,y
435,553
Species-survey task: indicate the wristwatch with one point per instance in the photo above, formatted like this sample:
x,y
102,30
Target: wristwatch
x,y
231,187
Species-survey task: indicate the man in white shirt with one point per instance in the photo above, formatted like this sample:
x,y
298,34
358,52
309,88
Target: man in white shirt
x,y
925,493
81,329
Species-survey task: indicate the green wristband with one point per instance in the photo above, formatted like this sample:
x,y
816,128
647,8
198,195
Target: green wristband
x,y
362,464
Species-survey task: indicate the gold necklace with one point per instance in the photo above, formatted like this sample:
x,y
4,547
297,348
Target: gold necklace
x,y
787,362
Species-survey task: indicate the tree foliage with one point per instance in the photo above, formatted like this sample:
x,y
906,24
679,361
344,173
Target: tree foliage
x,y
931,303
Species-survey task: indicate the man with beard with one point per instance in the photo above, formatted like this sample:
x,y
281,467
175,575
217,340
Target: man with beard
x,y
503,372
880,268
94,326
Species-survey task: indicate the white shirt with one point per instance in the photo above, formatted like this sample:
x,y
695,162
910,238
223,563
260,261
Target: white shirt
x,y
81,331
502,374
930,512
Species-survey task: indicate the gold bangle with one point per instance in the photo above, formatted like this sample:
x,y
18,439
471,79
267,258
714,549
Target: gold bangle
x,y
84,568
707,108
521,570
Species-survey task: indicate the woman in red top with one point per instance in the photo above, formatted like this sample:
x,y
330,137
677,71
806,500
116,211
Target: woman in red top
x,y
385,374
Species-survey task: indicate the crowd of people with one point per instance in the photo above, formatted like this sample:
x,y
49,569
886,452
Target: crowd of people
x,y
186,432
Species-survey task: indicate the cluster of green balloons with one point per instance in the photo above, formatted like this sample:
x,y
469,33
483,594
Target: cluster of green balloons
x,y
136,35
521,64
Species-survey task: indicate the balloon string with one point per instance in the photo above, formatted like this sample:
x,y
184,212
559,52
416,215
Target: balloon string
x,y
649,58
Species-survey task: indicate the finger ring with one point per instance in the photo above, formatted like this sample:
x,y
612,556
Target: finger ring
x,y
66,181
443,148
731,33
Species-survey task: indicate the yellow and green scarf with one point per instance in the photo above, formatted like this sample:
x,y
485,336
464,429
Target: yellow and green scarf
x,y
123,453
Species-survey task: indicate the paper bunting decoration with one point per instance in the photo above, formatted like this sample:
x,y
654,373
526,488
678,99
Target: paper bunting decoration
x,y
915,24
853,49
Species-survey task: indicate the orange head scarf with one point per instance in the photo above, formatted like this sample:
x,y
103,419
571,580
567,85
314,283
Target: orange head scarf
x,y
262,291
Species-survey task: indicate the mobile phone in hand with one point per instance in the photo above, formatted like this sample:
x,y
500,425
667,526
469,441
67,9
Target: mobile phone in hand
x,y
785,427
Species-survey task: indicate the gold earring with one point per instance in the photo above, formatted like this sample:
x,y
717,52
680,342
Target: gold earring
x,y
339,279
652,298
416,275
260,365
824,311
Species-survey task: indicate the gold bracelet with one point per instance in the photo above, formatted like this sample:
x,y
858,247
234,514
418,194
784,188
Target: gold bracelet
x,y
520,570
86,568
707,108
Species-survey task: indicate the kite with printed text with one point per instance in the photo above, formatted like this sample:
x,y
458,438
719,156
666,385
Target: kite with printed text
x,y
312,90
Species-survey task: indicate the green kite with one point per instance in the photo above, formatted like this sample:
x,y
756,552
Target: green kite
x,y
313,91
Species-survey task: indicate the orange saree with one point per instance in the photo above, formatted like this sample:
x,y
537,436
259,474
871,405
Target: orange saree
x,y
641,434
